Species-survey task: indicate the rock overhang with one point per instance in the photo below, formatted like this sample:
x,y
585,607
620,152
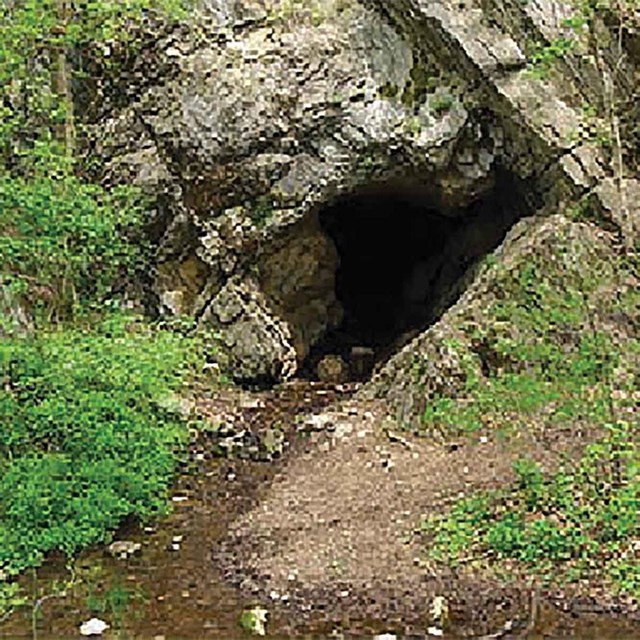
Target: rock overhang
x,y
284,116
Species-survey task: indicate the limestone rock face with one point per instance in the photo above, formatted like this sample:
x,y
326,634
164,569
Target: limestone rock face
x,y
267,111
258,343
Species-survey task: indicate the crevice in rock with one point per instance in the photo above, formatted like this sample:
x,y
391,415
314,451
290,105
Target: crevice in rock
x,y
403,260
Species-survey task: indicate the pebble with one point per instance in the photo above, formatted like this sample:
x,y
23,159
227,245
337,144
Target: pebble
x,y
93,627
123,548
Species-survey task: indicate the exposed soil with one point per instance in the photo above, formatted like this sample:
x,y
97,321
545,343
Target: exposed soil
x,y
334,538
324,537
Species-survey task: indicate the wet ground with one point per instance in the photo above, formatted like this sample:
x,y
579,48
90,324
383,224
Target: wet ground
x,y
171,588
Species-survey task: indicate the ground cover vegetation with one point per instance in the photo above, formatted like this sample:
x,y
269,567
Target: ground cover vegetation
x,y
550,365
550,361
89,433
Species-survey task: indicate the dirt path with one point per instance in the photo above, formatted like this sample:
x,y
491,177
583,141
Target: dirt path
x,y
323,536
334,537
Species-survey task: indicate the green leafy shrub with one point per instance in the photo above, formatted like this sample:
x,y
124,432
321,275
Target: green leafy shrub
x,y
65,242
86,435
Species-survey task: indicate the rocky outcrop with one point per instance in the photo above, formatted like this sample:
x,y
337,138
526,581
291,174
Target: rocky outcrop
x,y
575,257
269,111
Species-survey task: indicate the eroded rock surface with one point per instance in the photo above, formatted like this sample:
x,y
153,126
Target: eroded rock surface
x,y
267,111
439,362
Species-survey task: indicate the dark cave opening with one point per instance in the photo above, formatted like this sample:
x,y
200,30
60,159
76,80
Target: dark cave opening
x,y
380,239
403,261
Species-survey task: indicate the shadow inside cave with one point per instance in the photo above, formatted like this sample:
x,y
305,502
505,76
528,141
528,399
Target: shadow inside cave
x,y
402,262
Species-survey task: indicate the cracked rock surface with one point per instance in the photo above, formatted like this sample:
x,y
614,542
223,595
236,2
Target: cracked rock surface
x,y
262,115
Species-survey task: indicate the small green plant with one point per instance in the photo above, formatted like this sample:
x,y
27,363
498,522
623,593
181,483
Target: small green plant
x,y
11,598
115,602
564,525
440,103
261,211
544,56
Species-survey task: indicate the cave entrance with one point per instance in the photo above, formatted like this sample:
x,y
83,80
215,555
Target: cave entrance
x,y
381,238
403,261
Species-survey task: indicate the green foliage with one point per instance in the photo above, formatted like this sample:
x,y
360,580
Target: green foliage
x,y
115,602
544,55
33,33
545,354
66,241
89,428
441,103
581,518
86,437
539,351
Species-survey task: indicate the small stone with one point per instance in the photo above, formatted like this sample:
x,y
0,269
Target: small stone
x,y
123,548
254,620
93,627
179,498
343,429
434,631
318,422
177,539
251,403
175,547
332,368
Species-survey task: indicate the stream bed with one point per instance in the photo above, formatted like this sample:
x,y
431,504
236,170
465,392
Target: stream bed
x,y
163,585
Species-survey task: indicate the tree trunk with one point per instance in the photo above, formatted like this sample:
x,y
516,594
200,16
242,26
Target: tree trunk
x,y
65,132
